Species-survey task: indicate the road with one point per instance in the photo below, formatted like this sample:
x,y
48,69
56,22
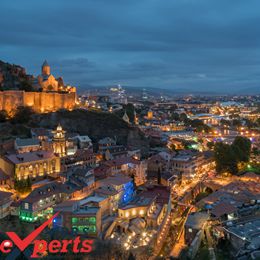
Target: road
x,y
210,243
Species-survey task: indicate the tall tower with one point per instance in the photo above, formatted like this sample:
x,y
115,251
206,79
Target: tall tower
x,y
46,69
59,141
150,114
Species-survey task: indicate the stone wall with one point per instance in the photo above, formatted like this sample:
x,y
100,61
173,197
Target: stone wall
x,y
39,101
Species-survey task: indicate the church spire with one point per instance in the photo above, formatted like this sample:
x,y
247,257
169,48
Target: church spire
x,y
126,118
46,69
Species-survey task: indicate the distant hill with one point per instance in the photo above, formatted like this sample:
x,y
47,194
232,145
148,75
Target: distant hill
x,y
249,91
14,77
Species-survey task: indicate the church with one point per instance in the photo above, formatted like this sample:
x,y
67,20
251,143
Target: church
x,y
46,82
50,94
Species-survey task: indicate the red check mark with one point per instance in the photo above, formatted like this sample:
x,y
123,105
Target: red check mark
x,y
22,244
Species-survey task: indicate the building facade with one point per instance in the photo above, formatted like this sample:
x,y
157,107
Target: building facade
x,y
32,164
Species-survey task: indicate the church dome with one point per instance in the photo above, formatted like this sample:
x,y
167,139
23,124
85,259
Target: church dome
x,y
45,63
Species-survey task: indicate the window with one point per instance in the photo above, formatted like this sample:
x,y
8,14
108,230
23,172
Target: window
x,y
26,205
74,220
30,168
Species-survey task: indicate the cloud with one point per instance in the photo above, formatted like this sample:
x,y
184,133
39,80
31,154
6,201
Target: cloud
x,y
198,44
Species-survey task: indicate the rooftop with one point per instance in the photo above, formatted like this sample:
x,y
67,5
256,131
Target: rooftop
x,y
117,180
27,142
223,208
249,230
4,195
138,202
30,156
47,190
196,220
161,193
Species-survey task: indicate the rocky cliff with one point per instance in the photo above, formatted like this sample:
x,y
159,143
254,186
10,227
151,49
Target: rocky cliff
x,y
14,77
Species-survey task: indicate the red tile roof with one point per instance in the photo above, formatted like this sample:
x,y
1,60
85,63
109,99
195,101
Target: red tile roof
x,y
222,209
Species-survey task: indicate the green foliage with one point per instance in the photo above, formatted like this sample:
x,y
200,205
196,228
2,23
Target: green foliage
x,y
210,145
255,151
242,146
183,117
3,116
258,122
175,117
26,86
228,156
198,124
236,122
50,88
225,122
225,157
22,115
23,186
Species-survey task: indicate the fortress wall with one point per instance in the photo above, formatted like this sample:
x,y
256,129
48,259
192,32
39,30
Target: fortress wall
x,y
39,101
9,100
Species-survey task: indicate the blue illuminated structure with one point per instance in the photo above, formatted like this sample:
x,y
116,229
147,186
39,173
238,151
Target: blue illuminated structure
x,y
128,192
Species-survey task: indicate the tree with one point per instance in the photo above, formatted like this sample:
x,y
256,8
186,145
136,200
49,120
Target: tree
x,y
175,117
22,115
224,122
236,122
3,116
131,256
225,158
26,86
50,88
210,145
258,122
23,185
183,117
28,185
199,125
242,146
255,151
228,157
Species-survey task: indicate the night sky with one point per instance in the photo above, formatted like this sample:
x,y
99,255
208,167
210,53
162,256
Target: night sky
x,y
188,44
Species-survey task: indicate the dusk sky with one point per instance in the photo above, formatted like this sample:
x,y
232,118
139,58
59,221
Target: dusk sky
x,y
189,44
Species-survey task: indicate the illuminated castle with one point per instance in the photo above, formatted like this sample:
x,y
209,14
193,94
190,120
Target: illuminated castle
x,y
46,82
50,94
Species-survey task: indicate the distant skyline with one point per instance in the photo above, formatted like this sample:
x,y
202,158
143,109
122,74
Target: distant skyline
x,y
198,45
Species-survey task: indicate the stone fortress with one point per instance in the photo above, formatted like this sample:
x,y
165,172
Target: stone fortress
x,y
50,94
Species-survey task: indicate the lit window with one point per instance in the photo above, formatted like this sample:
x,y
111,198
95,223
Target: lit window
x,y
26,205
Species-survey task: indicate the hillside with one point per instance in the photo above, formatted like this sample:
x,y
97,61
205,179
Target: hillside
x,y
96,125
14,77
